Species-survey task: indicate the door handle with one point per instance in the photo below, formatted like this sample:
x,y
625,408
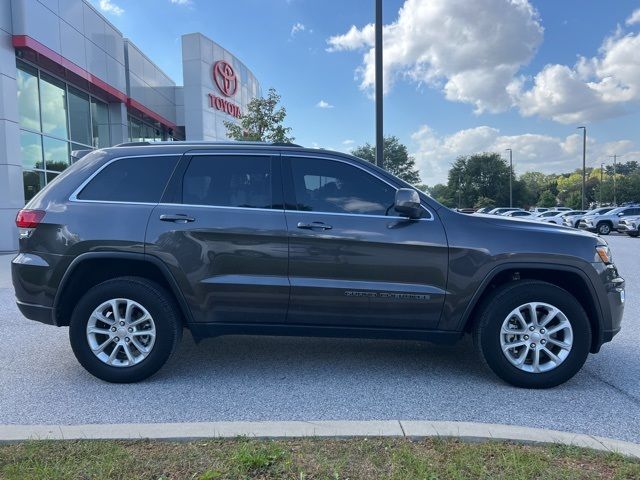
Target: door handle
x,y
314,225
178,218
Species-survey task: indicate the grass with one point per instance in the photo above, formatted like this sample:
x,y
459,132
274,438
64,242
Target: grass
x,y
304,459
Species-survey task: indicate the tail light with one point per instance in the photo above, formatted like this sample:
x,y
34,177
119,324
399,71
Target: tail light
x,y
29,218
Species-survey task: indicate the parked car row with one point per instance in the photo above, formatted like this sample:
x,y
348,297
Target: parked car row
x,y
604,223
602,220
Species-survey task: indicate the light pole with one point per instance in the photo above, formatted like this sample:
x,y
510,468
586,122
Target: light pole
x,y
584,164
615,195
601,179
378,55
459,192
510,177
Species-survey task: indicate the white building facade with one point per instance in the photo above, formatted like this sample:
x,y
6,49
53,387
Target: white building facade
x,y
69,80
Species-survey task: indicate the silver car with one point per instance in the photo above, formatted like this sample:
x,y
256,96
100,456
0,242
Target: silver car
x,y
574,221
605,224
630,226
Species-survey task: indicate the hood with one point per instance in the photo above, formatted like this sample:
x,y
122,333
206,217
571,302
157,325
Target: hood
x,y
526,225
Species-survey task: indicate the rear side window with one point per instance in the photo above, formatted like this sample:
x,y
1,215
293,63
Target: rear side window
x,y
131,179
228,181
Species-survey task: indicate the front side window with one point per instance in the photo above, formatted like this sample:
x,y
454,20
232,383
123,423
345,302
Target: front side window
x,y
134,179
336,187
228,181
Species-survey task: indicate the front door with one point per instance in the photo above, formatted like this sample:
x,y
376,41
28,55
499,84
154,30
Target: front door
x,y
353,262
221,230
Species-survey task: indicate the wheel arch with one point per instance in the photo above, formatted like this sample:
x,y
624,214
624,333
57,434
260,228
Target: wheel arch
x,y
572,279
92,268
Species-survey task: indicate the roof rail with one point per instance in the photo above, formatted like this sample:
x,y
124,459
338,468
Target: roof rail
x,y
207,142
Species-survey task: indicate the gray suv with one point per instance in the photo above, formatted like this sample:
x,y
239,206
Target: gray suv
x,y
132,244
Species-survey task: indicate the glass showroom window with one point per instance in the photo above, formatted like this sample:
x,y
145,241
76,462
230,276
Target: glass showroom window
x,y
55,118
140,131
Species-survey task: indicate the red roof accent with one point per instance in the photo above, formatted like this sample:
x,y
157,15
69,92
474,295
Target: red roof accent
x,y
29,43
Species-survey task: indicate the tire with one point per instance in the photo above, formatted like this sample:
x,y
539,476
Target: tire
x,y
603,228
577,225
164,322
496,310
633,234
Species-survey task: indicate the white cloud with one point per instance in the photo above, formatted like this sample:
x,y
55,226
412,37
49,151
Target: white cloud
x,y
348,142
110,7
595,88
472,53
634,18
181,2
323,104
297,27
434,153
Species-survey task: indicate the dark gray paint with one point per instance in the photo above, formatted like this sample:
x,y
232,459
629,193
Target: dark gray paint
x,y
240,270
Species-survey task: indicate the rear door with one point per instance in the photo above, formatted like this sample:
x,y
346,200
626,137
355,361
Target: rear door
x,y
353,261
221,229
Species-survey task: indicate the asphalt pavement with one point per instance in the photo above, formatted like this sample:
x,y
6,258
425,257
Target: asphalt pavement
x,y
239,378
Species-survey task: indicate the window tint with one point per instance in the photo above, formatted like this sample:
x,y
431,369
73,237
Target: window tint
x,y
225,181
135,179
336,187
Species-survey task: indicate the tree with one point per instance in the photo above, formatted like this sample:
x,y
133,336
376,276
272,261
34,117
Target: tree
x,y
547,199
262,122
396,159
484,202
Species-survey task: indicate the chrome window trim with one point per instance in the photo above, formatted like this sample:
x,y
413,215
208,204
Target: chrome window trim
x,y
333,159
76,192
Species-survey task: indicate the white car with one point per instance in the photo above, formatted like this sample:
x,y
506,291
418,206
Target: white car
x,y
538,210
519,214
559,217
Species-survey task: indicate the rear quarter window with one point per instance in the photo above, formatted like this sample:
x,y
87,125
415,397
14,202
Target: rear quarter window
x,y
131,179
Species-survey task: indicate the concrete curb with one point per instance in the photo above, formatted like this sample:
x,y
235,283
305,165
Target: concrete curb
x,y
464,431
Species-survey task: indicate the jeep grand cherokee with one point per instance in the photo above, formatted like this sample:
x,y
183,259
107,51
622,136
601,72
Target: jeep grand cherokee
x,y
132,244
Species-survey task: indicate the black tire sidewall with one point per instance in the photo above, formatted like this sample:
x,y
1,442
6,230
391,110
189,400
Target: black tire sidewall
x,y
511,297
150,296
600,226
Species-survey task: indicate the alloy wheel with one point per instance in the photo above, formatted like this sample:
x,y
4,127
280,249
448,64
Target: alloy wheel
x,y
121,332
536,337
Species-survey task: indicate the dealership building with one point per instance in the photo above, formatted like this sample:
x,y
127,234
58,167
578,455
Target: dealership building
x,y
70,80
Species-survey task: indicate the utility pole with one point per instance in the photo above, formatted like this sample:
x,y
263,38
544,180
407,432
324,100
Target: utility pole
x,y
584,164
510,176
379,90
459,192
601,179
615,195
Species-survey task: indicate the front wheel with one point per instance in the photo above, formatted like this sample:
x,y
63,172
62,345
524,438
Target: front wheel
x,y
123,330
533,334
604,228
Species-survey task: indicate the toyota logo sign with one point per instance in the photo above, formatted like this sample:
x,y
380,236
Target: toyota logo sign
x,y
225,78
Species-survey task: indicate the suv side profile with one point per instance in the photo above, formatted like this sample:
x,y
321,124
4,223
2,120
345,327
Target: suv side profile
x,y
608,222
132,244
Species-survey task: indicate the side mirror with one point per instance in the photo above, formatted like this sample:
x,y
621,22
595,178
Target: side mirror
x,y
408,203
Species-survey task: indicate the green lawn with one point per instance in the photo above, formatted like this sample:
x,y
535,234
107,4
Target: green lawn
x,y
306,459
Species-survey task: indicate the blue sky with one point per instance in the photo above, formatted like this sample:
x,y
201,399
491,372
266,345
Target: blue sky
x,y
461,76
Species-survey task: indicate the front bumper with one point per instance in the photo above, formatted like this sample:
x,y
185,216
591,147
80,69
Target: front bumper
x,y
614,300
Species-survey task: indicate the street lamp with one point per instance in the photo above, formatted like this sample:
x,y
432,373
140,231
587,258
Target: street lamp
x,y
510,176
601,179
584,164
378,55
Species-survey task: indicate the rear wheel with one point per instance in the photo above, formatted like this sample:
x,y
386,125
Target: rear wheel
x,y
533,334
123,330
633,234
603,228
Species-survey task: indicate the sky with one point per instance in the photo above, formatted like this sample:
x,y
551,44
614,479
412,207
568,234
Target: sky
x,y
460,76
